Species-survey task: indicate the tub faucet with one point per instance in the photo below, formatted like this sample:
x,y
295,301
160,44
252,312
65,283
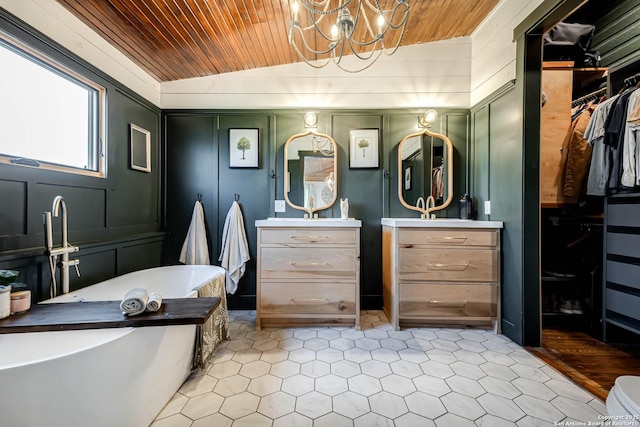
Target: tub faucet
x,y
64,250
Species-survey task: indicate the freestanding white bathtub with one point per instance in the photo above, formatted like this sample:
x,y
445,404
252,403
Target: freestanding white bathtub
x,y
101,377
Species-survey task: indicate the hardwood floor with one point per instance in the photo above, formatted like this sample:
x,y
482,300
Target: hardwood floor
x,y
590,363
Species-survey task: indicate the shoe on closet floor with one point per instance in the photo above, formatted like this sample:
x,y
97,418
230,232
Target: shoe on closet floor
x,y
566,307
577,307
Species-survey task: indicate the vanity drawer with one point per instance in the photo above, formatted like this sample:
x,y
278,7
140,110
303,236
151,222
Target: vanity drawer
x,y
450,300
307,298
622,244
623,303
298,263
447,237
478,265
305,235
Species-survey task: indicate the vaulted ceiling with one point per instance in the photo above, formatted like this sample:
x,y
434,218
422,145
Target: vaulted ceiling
x,y
180,39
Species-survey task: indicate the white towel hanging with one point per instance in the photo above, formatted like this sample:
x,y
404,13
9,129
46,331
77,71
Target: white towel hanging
x,y
235,250
194,249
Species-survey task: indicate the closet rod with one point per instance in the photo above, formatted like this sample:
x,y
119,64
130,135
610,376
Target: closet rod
x,y
589,97
631,81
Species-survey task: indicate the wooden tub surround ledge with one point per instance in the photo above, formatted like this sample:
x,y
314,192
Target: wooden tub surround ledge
x,y
71,316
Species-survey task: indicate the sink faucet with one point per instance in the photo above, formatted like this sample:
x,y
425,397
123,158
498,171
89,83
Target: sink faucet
x,y
64,250
430,203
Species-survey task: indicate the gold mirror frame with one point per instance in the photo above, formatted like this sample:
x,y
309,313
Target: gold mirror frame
x,y
426,212
287,182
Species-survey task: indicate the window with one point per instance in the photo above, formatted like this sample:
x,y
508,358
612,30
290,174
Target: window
x,y
50,116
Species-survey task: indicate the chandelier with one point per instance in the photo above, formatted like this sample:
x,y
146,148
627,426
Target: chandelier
x,y
323,31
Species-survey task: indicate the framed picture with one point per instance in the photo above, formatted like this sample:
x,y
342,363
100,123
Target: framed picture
x,y
140,146
244,148
407,178
364,151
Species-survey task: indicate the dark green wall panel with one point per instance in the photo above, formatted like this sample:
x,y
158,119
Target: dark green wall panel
x,y
457,128
363,188
252,187
479,167
191,169
197,146
13,208
124,206
94,267
505,192
133,257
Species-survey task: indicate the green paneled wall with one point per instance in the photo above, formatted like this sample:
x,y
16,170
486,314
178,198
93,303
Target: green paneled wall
x,y
197,152
116,221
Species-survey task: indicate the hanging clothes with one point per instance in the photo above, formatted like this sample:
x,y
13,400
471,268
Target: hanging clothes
x,y
631,144
600,153
578,154
614,137
195,250
235,250
437,183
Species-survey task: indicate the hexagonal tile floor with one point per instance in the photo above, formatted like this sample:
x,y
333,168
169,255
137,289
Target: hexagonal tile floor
x,y
336,376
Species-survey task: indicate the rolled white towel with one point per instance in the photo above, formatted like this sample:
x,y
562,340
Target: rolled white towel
x,y
155,302
134,301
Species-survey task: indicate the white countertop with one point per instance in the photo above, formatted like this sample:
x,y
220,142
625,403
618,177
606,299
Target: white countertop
x,y
440,223
301,222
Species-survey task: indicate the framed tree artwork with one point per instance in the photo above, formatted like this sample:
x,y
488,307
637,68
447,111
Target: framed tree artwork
x,y
364,150
244,148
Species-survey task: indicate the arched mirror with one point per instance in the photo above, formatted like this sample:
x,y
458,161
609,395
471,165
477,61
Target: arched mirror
x,y
310,164
425,165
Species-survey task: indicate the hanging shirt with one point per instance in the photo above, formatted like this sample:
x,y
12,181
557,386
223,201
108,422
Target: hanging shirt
x,y
613,137
600,162
630,146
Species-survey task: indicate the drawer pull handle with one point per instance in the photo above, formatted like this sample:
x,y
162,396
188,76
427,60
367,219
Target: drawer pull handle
x,y
446,239
447,303
447,267
309,300
308,264
311,238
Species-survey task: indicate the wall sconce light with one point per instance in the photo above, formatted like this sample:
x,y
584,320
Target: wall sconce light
x,y
310,120
427,118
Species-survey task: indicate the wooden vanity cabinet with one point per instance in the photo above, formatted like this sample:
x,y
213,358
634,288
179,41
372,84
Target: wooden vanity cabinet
x,y
308,275
441,276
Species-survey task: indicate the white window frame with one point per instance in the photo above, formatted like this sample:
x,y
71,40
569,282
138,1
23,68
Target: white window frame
x,y
96,142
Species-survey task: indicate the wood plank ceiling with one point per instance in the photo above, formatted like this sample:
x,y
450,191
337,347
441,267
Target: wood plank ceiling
x,y
180,39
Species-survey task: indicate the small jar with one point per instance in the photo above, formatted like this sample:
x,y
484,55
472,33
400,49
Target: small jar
x,y
20,302
5,301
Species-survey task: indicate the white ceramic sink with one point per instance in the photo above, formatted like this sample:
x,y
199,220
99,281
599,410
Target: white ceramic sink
x,y
301,222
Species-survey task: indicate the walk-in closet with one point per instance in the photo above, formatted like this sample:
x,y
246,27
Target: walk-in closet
x,y
590,192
